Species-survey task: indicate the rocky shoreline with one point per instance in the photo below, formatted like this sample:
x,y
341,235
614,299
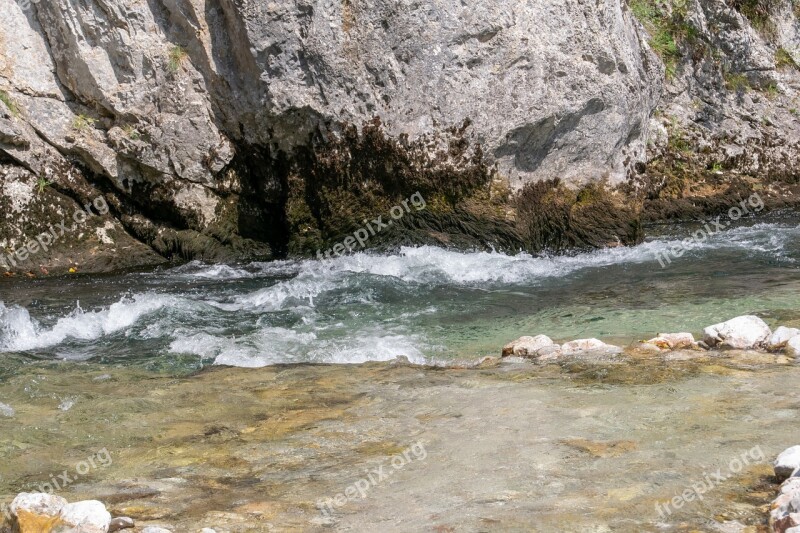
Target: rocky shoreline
x,y
744,333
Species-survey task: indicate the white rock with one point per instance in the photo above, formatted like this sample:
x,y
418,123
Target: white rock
x,y
787,462
6,410
588,345
784,509
155,529
793,346
38,503
207,530
88,516
528,346
672,341
781,337
740,333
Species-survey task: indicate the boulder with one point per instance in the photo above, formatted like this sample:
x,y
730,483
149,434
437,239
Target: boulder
x,y
793,346
582,346
37,511
529,346
88,516
781,336
740,333
155,529
787,462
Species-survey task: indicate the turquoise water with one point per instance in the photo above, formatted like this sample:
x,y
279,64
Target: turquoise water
x,y
428,304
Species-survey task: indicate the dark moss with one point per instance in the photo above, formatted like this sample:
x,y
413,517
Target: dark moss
x,y
555,218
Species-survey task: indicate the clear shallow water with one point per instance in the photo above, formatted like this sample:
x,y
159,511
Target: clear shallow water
x,y
428,304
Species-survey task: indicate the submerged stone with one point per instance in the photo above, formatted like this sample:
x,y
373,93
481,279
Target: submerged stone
x,y
781,336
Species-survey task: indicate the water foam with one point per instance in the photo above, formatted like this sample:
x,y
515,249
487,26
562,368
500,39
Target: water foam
x,y
20,332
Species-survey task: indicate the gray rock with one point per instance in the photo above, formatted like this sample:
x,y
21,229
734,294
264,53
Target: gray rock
x,y
119,523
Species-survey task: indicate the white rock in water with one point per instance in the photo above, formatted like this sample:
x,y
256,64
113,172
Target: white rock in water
x,y
740,333
793,346
155,529
207,530
781,337
38,503
6,410
588,345
787,462
88,516
528,346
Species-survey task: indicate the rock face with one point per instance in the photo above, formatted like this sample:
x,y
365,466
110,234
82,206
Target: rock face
x,y
186,117
740,333
237,130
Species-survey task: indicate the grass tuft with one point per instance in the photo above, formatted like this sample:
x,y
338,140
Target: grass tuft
x,y
6,99
177,55
82,123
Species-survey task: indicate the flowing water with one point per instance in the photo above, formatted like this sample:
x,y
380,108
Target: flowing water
x,y
140,364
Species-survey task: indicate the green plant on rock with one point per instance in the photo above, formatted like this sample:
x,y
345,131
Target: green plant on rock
x,y
772,91
758,12
131,132
783,59
42,184
6,99
668,29
177,55
82,122
735,81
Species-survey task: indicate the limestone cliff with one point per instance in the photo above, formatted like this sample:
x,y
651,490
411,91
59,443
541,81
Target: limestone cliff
x,y
234,130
